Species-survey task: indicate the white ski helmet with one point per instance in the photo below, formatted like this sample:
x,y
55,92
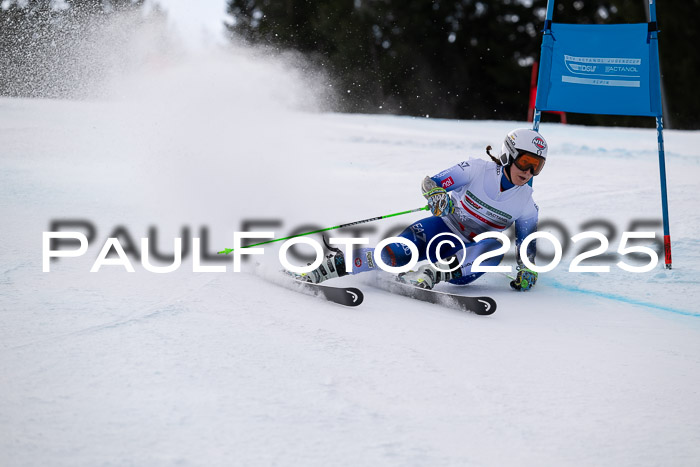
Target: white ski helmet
x,y
520,141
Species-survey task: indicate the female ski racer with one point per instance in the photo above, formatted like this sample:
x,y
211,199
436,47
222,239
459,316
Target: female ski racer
x,y
467,199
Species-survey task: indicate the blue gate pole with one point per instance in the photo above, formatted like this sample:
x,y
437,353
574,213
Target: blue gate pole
x,y
543,56
664,197
657,106
547,31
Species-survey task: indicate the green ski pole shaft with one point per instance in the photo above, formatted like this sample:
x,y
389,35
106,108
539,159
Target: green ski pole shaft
x,y
424,208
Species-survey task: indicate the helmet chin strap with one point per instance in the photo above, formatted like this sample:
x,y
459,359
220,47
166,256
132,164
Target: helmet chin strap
x,y
506,171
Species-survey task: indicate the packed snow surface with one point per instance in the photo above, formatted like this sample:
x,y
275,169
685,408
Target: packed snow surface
x,y
185,368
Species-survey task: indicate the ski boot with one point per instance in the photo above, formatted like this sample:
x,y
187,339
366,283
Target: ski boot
x,y
426,276
333,266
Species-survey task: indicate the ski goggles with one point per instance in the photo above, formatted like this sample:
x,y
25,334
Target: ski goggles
x,y
526,161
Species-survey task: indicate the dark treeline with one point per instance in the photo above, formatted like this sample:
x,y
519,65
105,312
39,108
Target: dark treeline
x,y
450,58
458,58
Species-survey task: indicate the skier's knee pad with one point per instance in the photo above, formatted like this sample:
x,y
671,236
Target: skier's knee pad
x,y
396,255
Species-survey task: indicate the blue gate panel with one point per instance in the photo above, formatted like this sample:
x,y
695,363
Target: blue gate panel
x,y
598,69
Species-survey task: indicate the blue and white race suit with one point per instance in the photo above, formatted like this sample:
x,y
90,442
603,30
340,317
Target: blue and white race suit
x,y
485,201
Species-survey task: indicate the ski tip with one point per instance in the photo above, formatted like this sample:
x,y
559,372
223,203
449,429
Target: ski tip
x,y
355,295
489,306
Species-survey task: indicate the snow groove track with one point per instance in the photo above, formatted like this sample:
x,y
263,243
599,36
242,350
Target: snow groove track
x,y
623,299
174,305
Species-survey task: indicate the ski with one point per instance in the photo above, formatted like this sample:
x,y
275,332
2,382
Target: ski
x,y
478,305
348,296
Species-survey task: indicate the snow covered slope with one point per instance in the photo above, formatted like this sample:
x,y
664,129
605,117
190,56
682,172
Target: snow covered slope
x,y
117,368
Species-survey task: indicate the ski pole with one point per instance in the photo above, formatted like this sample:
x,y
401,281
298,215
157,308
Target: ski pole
x,y
508,276
424,208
